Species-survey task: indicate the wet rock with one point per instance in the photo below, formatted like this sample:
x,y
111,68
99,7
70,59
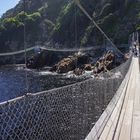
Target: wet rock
x,y
78,71
88,67
44,58
66,65
70,63
82,58
36,61
54,68
79,62
104,63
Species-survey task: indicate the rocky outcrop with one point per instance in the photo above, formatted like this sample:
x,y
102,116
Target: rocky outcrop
x,y
78,71
36,61
88,67
43,58
70,63
78,64
105,63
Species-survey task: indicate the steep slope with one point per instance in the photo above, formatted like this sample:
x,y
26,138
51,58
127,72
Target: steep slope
x,y
118,18
61,21
39,19
31,6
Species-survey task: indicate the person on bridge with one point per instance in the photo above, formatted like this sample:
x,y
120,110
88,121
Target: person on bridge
x,y
137,50
134,50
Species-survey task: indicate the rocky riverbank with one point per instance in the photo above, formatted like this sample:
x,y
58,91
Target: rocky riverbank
x,y
77,63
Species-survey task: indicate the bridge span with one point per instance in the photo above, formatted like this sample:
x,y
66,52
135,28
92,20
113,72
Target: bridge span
x,y
69,112
123,121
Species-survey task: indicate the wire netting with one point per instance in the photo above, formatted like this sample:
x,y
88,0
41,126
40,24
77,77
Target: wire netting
x,y
66,113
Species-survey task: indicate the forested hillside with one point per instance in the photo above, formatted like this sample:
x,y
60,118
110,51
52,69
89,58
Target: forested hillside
x,y
62,22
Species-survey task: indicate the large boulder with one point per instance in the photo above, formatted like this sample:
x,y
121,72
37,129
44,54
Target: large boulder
x,y
78,71
105,63
44,58
70,63
36,61
88,67
66,65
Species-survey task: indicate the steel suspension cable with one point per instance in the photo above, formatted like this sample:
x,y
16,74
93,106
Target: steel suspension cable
x,y
49,49
75,21
86,13
25,48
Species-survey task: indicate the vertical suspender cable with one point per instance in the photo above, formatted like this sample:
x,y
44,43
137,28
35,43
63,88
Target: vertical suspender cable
x,y
75,21
25,48
133,37
75,24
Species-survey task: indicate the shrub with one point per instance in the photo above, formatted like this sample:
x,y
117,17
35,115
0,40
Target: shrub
x,y
11,23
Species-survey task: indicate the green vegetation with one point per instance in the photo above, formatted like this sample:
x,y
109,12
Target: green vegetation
x,y
18,21
11,29
63,15
116,18
61,21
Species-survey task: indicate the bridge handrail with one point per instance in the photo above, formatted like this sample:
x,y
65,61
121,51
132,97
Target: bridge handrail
x,y
96,131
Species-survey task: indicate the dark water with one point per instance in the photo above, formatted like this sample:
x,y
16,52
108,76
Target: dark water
x,y
13,81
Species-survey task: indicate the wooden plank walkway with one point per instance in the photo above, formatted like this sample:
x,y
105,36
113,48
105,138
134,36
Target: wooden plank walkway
x,y
124,121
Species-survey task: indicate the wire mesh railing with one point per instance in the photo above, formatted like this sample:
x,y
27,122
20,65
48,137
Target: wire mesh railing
x,y
115,104
66,113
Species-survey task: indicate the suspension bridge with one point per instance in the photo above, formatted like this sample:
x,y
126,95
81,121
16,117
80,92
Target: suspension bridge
x,y
123,121
69,112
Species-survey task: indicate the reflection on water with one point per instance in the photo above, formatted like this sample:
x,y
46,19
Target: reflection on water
x,y
13,82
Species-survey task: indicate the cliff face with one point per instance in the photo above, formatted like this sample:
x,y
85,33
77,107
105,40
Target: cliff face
x,y
31,6
60,21
118,18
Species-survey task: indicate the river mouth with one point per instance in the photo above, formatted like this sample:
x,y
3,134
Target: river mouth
x,y
13,81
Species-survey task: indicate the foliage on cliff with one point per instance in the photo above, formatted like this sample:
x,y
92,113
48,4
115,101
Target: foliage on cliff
x,y
61,21
116,17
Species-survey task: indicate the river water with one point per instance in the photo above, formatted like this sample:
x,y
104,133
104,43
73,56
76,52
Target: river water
x,y
13,81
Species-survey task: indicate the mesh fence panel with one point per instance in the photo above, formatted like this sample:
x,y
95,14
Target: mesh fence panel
x,y
66,113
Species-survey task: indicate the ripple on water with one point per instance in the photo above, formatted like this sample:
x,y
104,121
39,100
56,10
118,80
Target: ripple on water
x,y
13,81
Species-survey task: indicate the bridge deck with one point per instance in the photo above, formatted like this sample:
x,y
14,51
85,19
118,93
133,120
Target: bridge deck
x,y
124,122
